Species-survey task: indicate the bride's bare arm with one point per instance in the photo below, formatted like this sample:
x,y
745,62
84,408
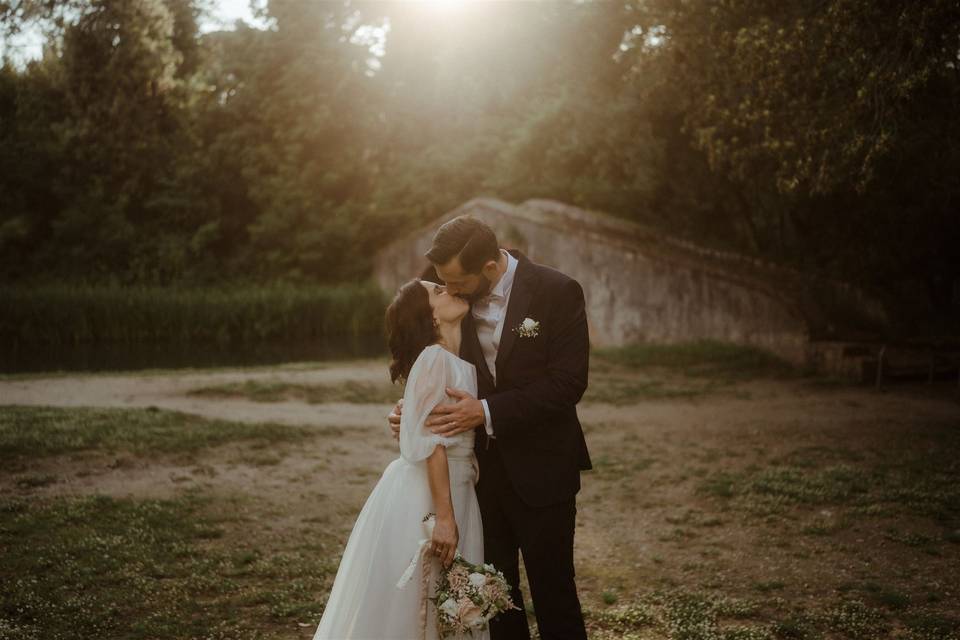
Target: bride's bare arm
x,y
445,533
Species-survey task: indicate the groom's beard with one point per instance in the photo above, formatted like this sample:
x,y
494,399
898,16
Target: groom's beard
x,y
483,289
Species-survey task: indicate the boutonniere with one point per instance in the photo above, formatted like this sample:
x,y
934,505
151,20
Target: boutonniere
x,y
529,328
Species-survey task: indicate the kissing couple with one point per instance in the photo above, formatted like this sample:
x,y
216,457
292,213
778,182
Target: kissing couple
x,y
494,353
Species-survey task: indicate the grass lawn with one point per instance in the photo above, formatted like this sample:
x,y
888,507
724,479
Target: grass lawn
x,y
189,566
731,499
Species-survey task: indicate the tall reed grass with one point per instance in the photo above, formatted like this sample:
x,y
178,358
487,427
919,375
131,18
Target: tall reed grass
x,y
70,314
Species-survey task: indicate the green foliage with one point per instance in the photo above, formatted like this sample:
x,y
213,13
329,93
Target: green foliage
x,y
700,358
64,314
817,94
141,151
833,125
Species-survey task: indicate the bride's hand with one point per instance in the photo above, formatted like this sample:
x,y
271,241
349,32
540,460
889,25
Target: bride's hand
x,y
445,539
394,419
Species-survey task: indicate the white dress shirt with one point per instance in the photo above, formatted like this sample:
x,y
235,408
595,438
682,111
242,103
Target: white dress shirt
x,y
489,314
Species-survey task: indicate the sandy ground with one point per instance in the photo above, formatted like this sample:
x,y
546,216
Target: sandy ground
x,y
640,519
167,391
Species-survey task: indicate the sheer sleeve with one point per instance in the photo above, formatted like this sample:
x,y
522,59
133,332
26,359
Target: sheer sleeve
x,y
426,388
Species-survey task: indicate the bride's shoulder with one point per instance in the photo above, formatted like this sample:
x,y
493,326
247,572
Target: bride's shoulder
x,y
450,355
428,356
434,352
427,353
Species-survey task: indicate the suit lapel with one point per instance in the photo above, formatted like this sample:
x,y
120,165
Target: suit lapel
x,y
470,349
520,296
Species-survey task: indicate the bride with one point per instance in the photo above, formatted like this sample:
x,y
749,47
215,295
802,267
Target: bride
x,y
423,328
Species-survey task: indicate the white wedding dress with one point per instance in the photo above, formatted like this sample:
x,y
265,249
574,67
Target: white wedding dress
x,y
365,602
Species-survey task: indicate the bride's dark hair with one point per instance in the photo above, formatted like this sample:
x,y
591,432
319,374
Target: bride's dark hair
x,y
410,328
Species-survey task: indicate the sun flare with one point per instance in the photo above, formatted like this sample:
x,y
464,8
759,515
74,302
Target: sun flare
x,y
444,5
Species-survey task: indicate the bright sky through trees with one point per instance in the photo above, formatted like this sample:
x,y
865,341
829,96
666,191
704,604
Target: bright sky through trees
x,y
226,12
29,44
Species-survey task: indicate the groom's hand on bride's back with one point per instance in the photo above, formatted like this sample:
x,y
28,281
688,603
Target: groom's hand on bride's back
x,y
394,419
446,420
451,419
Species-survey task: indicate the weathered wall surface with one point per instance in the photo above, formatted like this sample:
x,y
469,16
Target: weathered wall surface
x,y
639,285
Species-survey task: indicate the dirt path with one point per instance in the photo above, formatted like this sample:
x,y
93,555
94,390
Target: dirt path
x,y
167,391
762,404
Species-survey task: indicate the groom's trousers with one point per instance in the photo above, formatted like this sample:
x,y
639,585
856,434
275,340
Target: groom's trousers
x,y
544,535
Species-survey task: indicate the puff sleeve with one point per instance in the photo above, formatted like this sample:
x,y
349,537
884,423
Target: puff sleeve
x,y
426,388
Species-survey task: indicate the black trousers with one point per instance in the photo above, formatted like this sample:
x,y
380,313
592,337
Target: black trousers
x,y
545,537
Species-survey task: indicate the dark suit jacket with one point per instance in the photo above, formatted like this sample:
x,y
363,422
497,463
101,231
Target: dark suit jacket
x,y
539,383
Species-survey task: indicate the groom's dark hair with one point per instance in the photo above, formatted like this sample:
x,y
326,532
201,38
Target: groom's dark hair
x,y
467,237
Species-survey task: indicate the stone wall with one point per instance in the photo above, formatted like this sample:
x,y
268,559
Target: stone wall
x,y
643,286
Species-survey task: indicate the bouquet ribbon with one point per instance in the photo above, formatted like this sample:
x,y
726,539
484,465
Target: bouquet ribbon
x,y
421,554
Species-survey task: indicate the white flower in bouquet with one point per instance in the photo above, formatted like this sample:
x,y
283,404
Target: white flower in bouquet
x,y
477,579
450,607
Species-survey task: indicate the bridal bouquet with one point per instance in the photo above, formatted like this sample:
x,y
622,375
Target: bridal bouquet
x,y
468,596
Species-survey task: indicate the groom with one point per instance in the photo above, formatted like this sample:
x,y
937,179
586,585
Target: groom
x,y
526,333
